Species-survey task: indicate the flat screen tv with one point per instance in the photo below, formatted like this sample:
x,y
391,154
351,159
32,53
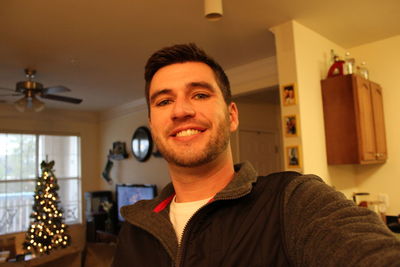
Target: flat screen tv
x,y
130,194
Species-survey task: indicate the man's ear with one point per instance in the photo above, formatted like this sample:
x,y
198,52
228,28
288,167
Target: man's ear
x,y
233,116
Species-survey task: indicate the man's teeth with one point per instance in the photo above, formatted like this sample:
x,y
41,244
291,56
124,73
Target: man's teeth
x,y
187,132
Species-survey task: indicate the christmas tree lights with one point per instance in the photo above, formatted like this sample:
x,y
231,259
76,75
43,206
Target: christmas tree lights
x,y
47,230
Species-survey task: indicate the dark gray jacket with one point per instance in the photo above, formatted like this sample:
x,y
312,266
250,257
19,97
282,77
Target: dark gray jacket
x,y
283,219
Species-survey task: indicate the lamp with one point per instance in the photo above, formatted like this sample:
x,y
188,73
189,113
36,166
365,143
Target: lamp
x,y
213,9
30,103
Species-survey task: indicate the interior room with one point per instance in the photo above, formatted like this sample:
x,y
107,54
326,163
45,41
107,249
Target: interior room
x,y
86,110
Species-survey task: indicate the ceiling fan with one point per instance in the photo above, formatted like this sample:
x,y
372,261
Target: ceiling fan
x,y
30,90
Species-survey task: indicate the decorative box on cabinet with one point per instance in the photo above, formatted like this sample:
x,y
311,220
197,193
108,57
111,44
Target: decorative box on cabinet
x,y
354,121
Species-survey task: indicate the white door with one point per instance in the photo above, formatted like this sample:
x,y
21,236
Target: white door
x,y
261,149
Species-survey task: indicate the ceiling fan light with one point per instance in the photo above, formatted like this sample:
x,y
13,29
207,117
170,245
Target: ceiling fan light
x,y
21,104
37,105
29,103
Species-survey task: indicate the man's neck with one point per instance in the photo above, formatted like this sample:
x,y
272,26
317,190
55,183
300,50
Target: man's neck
x,y
201,182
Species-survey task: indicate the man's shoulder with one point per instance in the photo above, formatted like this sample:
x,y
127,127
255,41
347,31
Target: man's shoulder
x,y
308,184
280,178
287,182
292,178
281,175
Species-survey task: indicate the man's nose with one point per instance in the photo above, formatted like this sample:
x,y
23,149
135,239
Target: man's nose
x,y
182,109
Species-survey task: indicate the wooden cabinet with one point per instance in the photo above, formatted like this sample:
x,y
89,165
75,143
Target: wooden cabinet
x,y
354,120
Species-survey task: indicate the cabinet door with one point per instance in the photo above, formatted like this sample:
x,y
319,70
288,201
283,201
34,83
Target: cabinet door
x,y
379,122
366,121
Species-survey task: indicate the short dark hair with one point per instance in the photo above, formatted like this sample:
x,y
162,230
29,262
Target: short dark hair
x,y
182,53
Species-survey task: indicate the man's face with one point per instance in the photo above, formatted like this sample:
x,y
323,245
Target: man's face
x,y
189,120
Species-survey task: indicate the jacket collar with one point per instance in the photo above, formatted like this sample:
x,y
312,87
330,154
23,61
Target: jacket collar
x,y
240,185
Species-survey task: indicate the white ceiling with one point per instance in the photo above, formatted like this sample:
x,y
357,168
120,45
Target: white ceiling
x,y
99,48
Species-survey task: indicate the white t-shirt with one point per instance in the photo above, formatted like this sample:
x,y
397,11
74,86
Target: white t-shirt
x,y
180,213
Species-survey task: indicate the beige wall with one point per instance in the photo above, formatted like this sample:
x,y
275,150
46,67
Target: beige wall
x,y
120,127
258,116
48,121
286,65
308,53
383,62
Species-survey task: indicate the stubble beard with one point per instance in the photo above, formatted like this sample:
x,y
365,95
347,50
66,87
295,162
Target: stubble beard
x,y
217,144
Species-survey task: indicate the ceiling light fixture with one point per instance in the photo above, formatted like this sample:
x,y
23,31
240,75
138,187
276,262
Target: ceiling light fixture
x,y
213,9
29,103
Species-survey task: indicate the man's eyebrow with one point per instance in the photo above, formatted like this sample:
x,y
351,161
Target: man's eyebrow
x,y
190,85
204,85
158,93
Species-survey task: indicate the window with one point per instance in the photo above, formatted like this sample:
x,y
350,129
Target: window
x,y
20,158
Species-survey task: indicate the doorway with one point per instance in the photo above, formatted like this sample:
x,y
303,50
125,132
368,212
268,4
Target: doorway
x,y
258,138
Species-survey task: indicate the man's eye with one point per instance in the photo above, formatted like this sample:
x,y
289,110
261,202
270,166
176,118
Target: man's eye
x,y
163,103
201,96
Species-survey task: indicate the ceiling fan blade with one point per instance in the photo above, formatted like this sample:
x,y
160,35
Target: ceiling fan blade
x,y
55,89
62,98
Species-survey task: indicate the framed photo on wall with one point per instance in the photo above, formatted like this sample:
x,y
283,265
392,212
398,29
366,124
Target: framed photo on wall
x,y
289,94
290,125
293,158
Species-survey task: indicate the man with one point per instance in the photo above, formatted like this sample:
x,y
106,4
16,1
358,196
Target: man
x,y
217,214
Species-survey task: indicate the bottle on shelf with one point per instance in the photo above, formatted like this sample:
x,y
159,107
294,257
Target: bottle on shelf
x,y
362,70
348,64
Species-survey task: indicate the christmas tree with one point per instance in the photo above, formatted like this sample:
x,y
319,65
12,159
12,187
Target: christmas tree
x,y
47,230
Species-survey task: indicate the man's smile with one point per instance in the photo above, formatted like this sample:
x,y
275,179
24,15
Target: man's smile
x,y
187,131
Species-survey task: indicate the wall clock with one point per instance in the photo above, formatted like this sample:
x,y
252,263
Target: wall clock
x,y
142,143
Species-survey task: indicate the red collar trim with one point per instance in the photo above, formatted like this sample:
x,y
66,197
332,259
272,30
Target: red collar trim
x,y
163,204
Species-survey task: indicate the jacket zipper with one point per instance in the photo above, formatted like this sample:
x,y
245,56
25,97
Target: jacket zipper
x,y
186,229
181,246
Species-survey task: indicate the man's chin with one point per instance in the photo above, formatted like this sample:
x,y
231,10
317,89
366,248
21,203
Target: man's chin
x,y
187,162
